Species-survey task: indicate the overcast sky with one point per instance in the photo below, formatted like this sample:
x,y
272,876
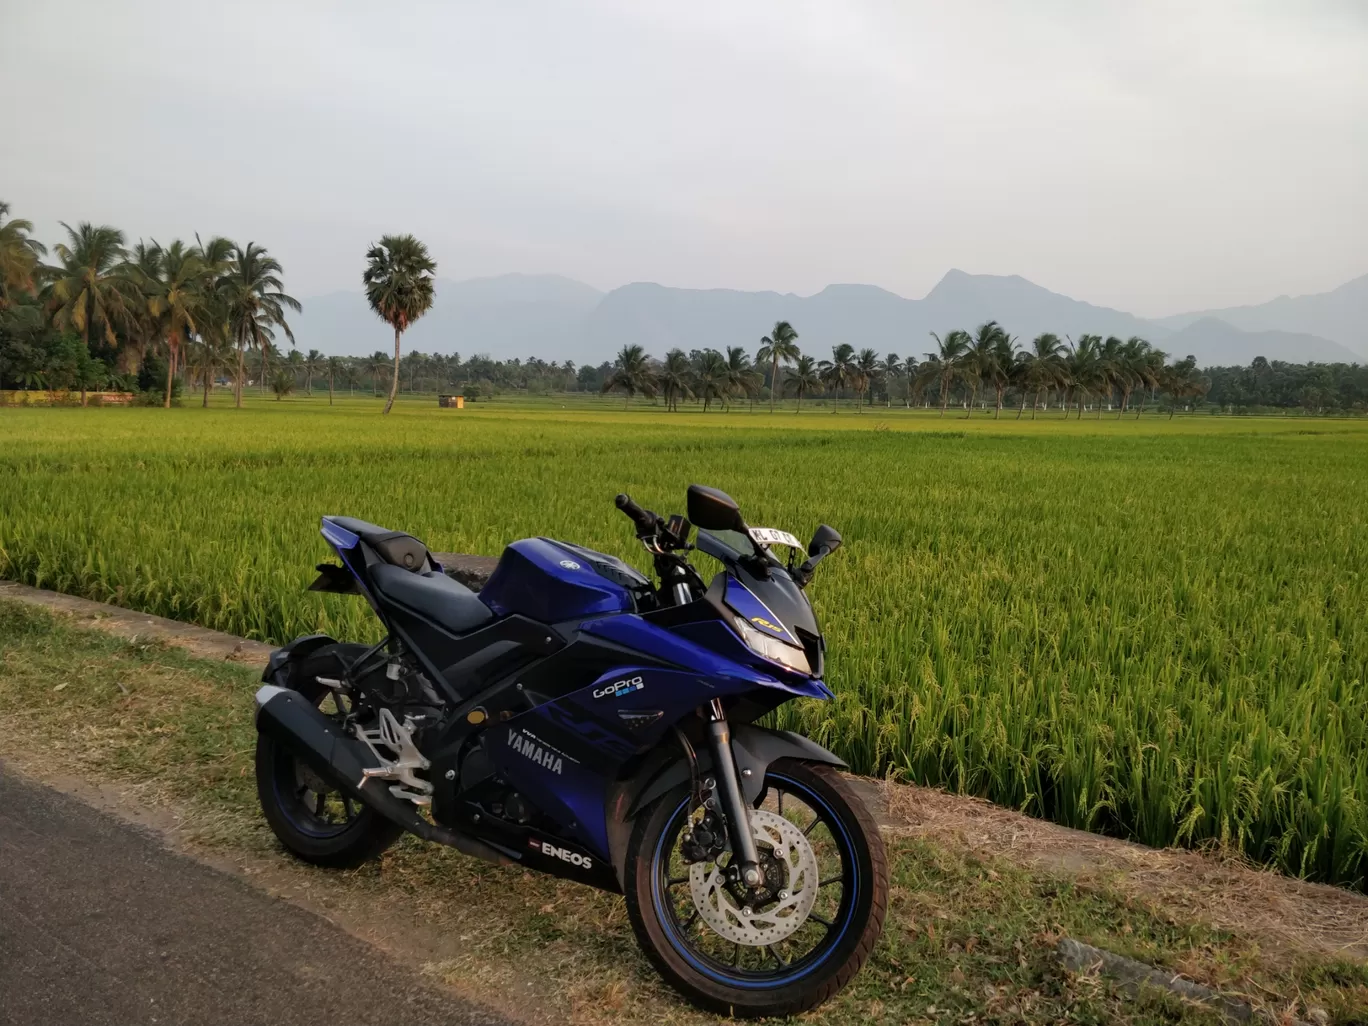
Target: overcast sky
x,y
1151,156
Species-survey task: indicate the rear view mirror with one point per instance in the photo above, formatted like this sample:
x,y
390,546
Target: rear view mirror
x,y
713,510
825,541
824,538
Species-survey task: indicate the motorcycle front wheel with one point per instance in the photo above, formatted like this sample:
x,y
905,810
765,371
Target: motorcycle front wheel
x,y
801,939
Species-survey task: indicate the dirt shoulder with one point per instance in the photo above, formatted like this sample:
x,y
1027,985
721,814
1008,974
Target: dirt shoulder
x,y
980,894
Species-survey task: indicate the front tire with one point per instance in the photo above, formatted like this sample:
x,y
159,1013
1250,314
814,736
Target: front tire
x,y
750,977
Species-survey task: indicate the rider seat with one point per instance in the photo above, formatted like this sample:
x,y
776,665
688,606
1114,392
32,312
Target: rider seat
x,y
432,595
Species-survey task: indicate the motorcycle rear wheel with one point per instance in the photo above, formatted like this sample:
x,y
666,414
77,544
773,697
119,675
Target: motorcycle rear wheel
x,y
313,819
810,964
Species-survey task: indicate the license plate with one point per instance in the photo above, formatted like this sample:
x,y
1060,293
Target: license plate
x,y
771,536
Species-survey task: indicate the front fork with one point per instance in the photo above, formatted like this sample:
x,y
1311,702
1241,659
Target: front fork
x,y
733,802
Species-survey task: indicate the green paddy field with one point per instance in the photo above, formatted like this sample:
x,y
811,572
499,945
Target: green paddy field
x,y
1157,629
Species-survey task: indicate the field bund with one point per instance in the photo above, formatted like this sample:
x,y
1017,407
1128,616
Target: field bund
x,y
1156,629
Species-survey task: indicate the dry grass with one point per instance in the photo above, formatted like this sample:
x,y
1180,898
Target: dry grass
x,y
979,895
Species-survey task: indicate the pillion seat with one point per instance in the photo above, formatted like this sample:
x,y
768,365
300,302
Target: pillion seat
x,y
433,595
394,547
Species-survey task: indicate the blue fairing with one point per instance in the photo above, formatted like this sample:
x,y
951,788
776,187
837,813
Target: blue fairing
x,y
745,602
595,729
539,579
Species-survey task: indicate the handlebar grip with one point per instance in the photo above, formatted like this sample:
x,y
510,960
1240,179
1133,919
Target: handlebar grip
x,y
644,520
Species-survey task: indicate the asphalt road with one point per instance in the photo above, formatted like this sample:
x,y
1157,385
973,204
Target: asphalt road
x,y
99,923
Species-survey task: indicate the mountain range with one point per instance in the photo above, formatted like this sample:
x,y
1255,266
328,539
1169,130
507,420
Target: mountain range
x,y
557,318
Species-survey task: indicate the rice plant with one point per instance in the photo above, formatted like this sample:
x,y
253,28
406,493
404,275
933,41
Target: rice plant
x,y
1156,630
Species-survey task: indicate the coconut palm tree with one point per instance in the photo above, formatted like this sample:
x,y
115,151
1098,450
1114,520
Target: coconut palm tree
x,y
85,290
631,374
1152,375
675,378
742,379
980,360
1133,371
376,364
890,367
19,256
1003,367
256,305
945,364
174,299
333,365
779,346
211,353
1084,363
1112,372
866,367
803,377
711,379
1042,368
398,282
839,372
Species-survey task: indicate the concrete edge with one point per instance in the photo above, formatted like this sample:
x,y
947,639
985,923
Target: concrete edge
x,y
1133,977
131,624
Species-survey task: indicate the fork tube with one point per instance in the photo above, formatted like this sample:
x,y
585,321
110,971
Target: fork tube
x,y
729,791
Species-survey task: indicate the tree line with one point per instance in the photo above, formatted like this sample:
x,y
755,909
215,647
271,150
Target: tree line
x,y
961,367
150,318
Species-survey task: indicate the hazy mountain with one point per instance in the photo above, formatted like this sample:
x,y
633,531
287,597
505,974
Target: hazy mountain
x,y
557,318
1218,344
1340,315
510,315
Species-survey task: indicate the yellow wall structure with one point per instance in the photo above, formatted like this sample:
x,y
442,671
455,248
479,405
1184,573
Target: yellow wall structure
x,y
62,397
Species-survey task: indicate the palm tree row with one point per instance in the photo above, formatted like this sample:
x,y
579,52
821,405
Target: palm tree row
x,y
985,362
1091,368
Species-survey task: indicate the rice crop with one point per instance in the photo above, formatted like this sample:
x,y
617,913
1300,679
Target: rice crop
x,y
1154,629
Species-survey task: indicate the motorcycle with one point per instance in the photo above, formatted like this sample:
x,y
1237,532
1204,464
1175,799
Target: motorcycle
x,y
574,718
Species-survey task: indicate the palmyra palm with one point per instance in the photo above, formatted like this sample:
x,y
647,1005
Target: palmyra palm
x,y
399,287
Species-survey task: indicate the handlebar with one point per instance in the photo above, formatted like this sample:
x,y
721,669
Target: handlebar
x,y
645,520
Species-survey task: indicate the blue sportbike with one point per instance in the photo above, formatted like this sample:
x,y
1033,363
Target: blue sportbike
x,y
575,718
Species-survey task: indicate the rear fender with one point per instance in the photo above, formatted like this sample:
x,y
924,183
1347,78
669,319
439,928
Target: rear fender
x,y
298,649
666,769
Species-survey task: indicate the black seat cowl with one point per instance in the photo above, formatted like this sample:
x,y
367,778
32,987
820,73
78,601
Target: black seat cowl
x,y
431,595
393,547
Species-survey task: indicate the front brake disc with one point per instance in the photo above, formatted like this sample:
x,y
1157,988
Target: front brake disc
x,y
756,927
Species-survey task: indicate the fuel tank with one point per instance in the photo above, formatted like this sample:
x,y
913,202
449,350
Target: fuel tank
x,y
555,581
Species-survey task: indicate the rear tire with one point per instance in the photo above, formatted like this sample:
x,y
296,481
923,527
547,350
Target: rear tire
x,y
313,820
807,978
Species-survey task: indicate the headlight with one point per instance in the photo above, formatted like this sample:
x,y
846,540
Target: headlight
x,y
772,648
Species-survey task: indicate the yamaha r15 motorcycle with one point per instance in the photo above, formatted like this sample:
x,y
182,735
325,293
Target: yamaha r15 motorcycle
x,y
576,719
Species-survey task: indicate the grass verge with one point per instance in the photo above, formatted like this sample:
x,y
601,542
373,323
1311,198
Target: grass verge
x,y
969,938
